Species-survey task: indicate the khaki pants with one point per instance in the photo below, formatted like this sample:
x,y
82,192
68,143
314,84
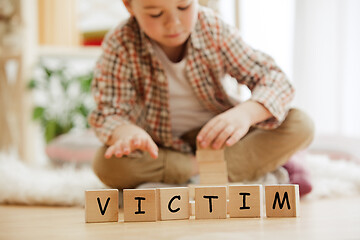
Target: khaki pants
x,y
259,152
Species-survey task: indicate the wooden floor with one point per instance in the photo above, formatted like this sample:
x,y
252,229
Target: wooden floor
x,y
322,219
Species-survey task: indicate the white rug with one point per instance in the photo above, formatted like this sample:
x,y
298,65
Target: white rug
x,y
21,184
332,178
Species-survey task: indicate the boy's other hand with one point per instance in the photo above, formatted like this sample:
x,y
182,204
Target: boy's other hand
x,y
128,138
230,126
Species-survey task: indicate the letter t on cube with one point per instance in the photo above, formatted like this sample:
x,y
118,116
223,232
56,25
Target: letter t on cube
x,y
210,202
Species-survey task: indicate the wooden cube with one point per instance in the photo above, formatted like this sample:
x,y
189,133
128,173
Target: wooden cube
x,y
140,205
158,209
245,201
282,200
213,178
193,186
210,155
210,202
101,205
192,191
192,208
212,167
174,203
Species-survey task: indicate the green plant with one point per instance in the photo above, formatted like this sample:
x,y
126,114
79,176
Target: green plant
x,y
62,100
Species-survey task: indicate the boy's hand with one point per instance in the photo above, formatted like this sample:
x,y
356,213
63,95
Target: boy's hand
x,y
230,126
128,138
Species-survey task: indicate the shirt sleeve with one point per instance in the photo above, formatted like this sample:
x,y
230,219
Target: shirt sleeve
x,y
259,72
112,90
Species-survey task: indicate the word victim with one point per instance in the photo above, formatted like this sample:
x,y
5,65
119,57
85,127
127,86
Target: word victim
x,y
210,202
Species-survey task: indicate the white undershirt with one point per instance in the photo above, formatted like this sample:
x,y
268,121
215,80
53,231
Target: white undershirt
x,y
186,112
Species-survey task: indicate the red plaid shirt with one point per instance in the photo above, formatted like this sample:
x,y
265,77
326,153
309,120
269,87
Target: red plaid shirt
x,y
130,85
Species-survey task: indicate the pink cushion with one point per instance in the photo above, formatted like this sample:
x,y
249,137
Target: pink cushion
x,y
76,147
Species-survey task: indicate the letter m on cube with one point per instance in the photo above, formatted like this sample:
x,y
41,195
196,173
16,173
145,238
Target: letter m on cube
x,y
282,200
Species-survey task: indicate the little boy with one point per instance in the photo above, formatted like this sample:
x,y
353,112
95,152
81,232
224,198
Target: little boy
x,y
159,91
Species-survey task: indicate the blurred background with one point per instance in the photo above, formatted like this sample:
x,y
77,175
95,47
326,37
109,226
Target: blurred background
x,y
48,49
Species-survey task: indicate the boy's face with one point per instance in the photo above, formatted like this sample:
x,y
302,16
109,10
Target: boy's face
x,y
168,22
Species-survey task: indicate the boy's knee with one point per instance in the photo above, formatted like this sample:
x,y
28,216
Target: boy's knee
x,y
114,172
300,126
